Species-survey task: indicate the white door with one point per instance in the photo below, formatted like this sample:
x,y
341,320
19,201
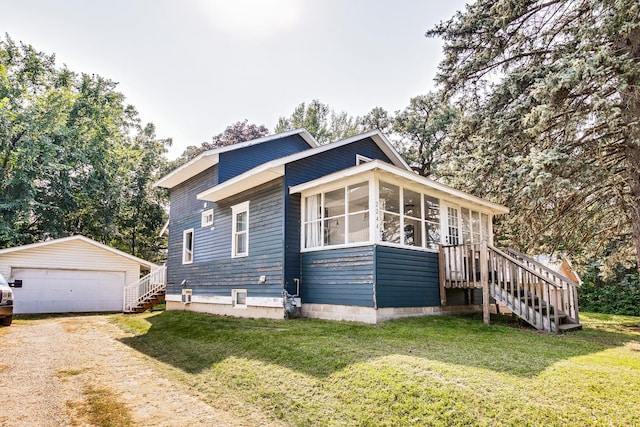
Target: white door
x,y
68,291
452,233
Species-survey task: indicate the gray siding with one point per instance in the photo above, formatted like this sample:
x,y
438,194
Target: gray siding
x,y
213,271
338,276
406,278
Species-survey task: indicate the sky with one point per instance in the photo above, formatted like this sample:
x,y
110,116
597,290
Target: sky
x,y
194,67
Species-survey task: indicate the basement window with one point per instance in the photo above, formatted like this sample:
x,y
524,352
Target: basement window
x,y
239,298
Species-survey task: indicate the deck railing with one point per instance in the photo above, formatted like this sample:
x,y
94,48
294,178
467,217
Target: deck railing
x,y
145,287
538,295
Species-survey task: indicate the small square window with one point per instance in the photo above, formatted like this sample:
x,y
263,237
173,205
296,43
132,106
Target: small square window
x,y
207,218
239,298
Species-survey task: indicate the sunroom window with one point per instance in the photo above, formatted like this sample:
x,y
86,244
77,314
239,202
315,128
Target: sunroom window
x,y
475,226
390,212
337,217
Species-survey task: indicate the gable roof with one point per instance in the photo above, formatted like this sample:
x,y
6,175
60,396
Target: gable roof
x,y
52,242
275,168
205,160
384,167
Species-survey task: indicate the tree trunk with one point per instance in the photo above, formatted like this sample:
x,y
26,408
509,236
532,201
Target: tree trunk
x,y
628,45
633,178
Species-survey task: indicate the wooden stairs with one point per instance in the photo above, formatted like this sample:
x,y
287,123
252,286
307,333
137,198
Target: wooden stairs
x,y
538,295
146,292
149,301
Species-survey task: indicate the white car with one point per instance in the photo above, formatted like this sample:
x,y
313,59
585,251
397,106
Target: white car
x,y
6,300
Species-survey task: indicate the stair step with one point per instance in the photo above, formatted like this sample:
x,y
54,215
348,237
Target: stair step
x,y
566,327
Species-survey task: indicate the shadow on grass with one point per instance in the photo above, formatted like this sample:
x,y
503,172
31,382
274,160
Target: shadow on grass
x,y
196,342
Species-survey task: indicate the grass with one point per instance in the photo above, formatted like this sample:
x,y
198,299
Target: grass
x,y
422,371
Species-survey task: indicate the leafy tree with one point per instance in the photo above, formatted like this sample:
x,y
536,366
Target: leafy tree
x,y
377,119
421,128
73,156
551,94
323,123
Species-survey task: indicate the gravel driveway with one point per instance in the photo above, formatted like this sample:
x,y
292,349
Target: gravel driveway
x,y
47,366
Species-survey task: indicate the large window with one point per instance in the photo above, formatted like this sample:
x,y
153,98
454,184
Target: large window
x,y
337,217
390,212
432,223
475,226
419,217
240,232
404,216
187,246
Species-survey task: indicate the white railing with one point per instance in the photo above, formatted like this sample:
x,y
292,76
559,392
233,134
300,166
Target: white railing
x,y
144,287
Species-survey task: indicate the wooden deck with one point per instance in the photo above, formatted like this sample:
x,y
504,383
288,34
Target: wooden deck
x,y
541,297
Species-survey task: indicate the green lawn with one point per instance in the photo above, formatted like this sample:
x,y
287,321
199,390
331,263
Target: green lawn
x,y
421,371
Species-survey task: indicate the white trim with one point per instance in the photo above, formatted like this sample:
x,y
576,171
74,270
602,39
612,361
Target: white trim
x,y
234,298
236,185
442,191
204,219
140,261
185,251
228,300
235,210
360,159
210,158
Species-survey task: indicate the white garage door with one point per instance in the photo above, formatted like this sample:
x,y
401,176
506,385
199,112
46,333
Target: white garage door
x,y
64,291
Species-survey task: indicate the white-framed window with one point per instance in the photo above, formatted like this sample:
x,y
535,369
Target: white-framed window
x,y
187,246
207,218
432,221
337,217
360,159
475,226
240,230
239,298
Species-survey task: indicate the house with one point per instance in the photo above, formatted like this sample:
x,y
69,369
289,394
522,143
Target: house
x,y
71,274
282,226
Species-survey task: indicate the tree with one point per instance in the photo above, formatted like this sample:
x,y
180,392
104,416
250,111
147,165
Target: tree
x,y
421,128
74,158
233,134
322,122
551,94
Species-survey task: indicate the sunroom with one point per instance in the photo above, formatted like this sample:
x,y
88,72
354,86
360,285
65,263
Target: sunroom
x,y
370,238
378,203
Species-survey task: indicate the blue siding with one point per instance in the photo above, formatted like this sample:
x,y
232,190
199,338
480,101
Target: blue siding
x,y
330,161
338,276
213,271
308,169
235,162
186,212
406,278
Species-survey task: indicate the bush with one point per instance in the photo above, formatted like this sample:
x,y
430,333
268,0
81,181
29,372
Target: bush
x,y
617,295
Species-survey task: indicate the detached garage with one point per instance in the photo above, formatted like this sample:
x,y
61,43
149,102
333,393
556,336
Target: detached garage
x,y
72,274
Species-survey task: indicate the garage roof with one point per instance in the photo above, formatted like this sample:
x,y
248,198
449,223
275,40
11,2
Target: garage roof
x,y
140,261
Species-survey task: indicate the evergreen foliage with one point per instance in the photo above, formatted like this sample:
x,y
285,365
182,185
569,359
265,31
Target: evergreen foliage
x,y
551,127
619,294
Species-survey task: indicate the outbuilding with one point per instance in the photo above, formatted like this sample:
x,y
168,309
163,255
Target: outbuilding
x,y
71,274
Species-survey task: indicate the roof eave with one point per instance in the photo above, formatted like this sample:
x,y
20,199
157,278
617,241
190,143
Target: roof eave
x,y
494,208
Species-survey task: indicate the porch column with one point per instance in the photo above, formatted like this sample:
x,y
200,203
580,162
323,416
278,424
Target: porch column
x,y
484,280
443,276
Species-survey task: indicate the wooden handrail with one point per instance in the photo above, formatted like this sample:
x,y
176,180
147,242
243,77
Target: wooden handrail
x,y
543,267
